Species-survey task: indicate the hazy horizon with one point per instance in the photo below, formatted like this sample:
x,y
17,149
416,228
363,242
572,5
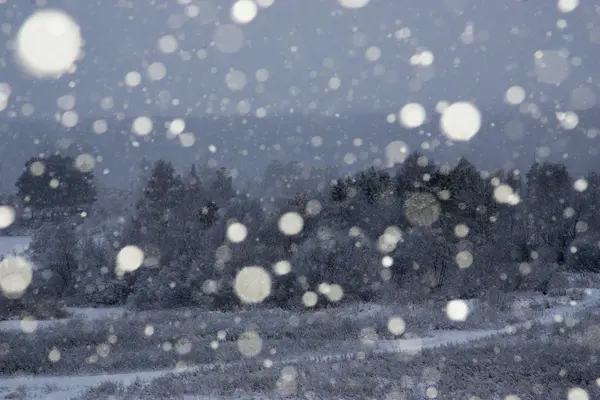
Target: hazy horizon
x,y
518,62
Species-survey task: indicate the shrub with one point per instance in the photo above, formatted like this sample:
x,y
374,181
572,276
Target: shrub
x,y
584,254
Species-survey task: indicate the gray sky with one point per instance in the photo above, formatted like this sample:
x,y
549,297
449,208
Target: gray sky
x,y
317,57
480,49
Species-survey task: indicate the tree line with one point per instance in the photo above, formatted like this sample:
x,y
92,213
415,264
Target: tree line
x,y
413,231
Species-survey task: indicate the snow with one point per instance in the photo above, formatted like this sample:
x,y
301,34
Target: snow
x,y
90,314
15,324
97,313
13,244
66,386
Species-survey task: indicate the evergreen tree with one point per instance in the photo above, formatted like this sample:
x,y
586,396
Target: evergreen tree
x,y
470,201
55,181
552,212
222,187
55,248
161,196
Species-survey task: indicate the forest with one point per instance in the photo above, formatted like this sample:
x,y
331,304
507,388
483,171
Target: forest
x,y
411,232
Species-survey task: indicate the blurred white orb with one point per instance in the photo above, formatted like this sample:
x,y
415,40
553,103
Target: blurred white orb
x,y
7,216
252,284
48,44
457,310
353,3
291,223
460,121
244,11
130,258
16,274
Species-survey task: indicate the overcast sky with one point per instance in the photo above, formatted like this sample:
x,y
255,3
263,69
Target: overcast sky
x,y
193,58
480,48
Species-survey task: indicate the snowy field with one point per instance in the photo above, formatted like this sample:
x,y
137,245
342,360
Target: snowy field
x,y
357,351
343,353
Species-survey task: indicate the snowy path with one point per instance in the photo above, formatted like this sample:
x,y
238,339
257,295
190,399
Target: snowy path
x,y
66,386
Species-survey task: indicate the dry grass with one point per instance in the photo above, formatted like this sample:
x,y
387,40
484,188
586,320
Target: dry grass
x,y
516,365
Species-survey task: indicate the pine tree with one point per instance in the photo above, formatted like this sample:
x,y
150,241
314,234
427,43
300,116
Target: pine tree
x,y
552,211
160,197
55,181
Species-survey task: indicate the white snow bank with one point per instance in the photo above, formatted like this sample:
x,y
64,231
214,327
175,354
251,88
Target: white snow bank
x,y
90,314
15,324
13,244
108,313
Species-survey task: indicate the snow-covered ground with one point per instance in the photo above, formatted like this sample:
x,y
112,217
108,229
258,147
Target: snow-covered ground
x,y
53,387
13,245
97,313
89,314
329,351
